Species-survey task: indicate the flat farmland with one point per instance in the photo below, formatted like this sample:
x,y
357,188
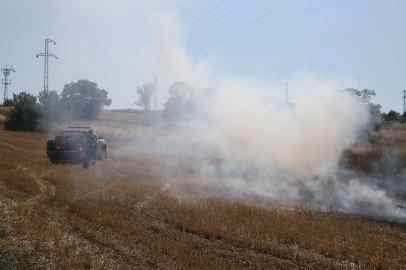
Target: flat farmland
x,y
144,207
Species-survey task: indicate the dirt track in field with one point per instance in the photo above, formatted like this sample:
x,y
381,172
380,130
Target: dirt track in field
x,y
141,208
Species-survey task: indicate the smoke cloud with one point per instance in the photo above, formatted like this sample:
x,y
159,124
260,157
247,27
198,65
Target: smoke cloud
x,y
287,149
301,139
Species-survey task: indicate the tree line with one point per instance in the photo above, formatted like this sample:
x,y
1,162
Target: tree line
x,y
84,100
80,100
185,100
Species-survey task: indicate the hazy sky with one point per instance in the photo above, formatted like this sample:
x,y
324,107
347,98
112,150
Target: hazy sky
x,y
123,44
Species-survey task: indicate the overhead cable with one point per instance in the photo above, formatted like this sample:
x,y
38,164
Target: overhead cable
x,y
120,63
157,47
203,48
245,26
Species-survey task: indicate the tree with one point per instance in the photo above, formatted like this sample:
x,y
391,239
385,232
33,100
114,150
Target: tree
x,y
8,102
84,99
24,98
25,114
51,99
364,98
54,109
144,97
186,100
392,116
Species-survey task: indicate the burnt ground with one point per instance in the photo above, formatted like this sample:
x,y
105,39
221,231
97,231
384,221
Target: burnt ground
x,y
150,209
382,213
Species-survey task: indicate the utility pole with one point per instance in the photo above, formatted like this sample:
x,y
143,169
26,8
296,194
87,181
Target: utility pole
x,y
286,93
46,54
404,101
6,82
155,95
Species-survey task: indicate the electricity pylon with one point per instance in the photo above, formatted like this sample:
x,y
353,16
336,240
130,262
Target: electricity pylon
x,y
46,54
6,82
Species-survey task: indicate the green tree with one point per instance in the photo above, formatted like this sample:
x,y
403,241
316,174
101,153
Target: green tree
x,y
392,116
48,99
8,102
25,114
84,99
403,117
54,108
144,97
24,98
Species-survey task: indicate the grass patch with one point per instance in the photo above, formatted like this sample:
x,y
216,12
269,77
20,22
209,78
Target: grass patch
x,y
128,111
2,233
140,208
13,259
2,119
5,110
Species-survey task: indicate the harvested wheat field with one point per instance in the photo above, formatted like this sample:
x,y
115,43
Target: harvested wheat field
x,y
145,207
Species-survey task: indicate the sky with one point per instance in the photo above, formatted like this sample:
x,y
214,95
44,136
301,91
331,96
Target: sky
x,y
123,44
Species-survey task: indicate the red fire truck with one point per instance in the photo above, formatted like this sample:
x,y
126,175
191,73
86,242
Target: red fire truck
x,y
70,144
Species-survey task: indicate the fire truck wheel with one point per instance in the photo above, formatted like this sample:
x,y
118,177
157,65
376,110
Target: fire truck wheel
x,y
103,155
86,165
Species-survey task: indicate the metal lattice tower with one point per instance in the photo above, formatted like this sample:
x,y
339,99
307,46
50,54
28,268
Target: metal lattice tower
x,y
6,82
286,92
404,100
155,94
46,54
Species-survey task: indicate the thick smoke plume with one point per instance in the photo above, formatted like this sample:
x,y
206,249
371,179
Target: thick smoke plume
x,y
287,149
291,149
302,139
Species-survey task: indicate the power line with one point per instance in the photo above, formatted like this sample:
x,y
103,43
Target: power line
x,y
207,25
181,31
157,48
205,47
241,28
200,18
211,22
245,26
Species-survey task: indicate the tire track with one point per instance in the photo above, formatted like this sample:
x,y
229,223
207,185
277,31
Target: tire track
x,y
149,199
22,148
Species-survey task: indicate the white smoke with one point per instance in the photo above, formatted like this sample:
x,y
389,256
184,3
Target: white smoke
x,y
295,146
304,140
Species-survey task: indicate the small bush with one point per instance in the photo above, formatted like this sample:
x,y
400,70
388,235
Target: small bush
x,y
2,233
25,113
23,117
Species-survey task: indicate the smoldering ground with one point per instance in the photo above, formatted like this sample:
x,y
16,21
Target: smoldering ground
x,y
272,149
278,149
